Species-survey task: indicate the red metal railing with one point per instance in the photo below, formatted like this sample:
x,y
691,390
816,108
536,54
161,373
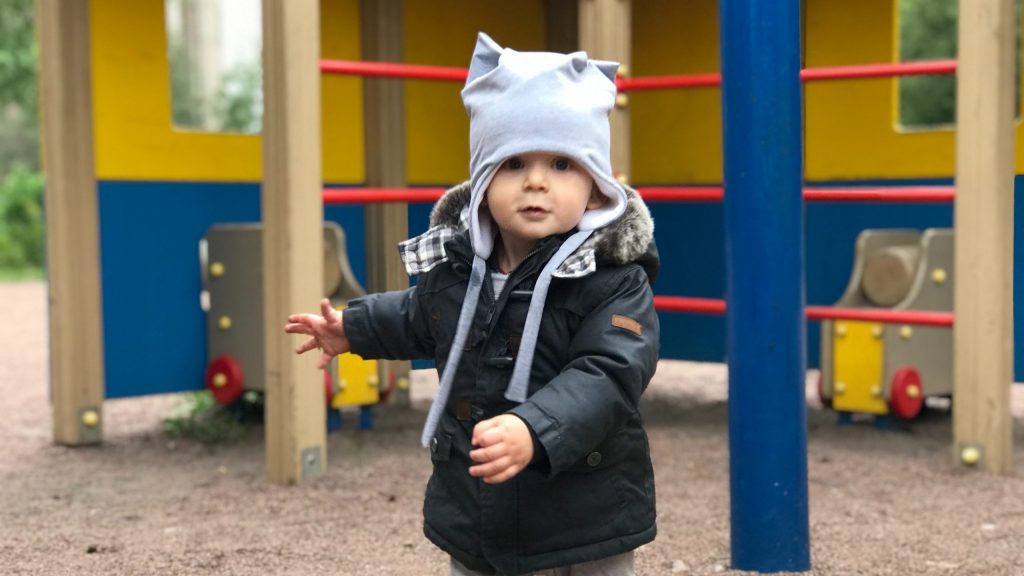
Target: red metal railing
x,y
442,73
717,307
912,194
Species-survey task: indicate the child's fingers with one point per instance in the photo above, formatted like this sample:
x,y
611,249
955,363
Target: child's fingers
x,y
503,475
297,329
306,346
327,310
325,359
490,468
481,429
487,454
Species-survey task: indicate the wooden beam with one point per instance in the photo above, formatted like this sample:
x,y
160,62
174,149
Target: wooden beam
x,y
292,236
562,25
384,125
606,34
983,255
72,223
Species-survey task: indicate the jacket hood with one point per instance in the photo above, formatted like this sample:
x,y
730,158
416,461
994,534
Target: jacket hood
x,y
629,238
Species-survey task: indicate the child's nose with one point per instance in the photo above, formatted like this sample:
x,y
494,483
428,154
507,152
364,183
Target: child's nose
x,y
536,176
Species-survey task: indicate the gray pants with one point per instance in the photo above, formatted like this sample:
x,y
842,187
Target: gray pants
x,y
621,565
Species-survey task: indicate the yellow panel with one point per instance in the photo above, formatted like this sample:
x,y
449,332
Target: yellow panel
x,y
357,380
135,139
676,134
443,33
857,369
342,104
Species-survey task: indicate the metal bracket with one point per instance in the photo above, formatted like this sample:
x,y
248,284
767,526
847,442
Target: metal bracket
x,y
90,425
312,463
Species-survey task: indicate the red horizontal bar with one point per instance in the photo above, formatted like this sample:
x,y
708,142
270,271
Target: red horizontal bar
x,y
694,305
713,306
884,194
644,83
879,315
919,68
392,70
664,194
380,195
421,72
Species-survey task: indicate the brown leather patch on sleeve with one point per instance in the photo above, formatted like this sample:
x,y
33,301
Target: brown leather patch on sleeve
x,y
627,324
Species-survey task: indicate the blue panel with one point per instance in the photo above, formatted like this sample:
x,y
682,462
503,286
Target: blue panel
x,y
154,329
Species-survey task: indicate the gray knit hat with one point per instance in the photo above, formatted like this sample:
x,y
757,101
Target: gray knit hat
x,y
518,103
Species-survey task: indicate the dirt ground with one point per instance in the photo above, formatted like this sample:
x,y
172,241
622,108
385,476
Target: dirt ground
x,y
881,502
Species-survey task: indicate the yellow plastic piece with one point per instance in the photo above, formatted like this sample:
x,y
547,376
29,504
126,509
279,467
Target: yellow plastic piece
x,y
224,323
858,366
939,276
217,269
358,382
90,418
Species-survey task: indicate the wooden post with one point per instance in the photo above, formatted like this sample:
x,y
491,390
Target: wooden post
x,y
606,34
72,223
384,125
983,300
292,236
562,25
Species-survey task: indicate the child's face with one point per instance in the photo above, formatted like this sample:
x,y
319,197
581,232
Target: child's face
x,y
533,196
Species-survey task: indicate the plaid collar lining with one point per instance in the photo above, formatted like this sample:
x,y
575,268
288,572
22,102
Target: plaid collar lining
x,y
424,252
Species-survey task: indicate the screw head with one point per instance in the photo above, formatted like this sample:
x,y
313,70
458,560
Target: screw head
x,y
216,269
840,329
840,388
90,418
224,323
970,455
906,332
939,276
220,380
622,100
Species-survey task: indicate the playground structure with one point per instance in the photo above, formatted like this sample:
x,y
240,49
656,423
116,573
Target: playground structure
x,y
91,360
231,263
882,369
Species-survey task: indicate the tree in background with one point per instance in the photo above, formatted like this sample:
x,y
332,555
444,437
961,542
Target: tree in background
x,y
928,31
21,184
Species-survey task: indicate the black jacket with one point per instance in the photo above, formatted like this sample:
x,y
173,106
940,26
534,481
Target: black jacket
x,y
590,493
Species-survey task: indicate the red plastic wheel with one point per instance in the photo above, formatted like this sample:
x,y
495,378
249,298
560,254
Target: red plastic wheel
x,y
224,379
906,396
327,387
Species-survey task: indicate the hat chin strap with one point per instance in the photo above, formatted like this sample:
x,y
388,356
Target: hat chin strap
x,y
520,382
476,280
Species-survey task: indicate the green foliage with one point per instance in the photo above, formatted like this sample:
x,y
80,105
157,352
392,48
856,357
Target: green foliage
x,y
18,55
199,417
239,105
21,219
928,31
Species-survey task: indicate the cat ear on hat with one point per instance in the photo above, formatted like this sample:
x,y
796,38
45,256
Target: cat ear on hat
x,y
485,57
609,69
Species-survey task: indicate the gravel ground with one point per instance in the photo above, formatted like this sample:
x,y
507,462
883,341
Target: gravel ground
x,y
881,502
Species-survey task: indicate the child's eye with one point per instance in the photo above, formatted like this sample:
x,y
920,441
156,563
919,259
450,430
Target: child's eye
x,y
514,163
561,164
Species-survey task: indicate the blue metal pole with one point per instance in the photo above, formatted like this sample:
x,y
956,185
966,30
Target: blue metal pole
x,y
763,141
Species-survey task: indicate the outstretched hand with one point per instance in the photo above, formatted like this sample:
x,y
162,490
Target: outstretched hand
x,y
505,448
325,332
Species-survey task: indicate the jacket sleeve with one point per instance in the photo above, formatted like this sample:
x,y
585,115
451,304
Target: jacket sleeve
x,y
388,325
614,355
